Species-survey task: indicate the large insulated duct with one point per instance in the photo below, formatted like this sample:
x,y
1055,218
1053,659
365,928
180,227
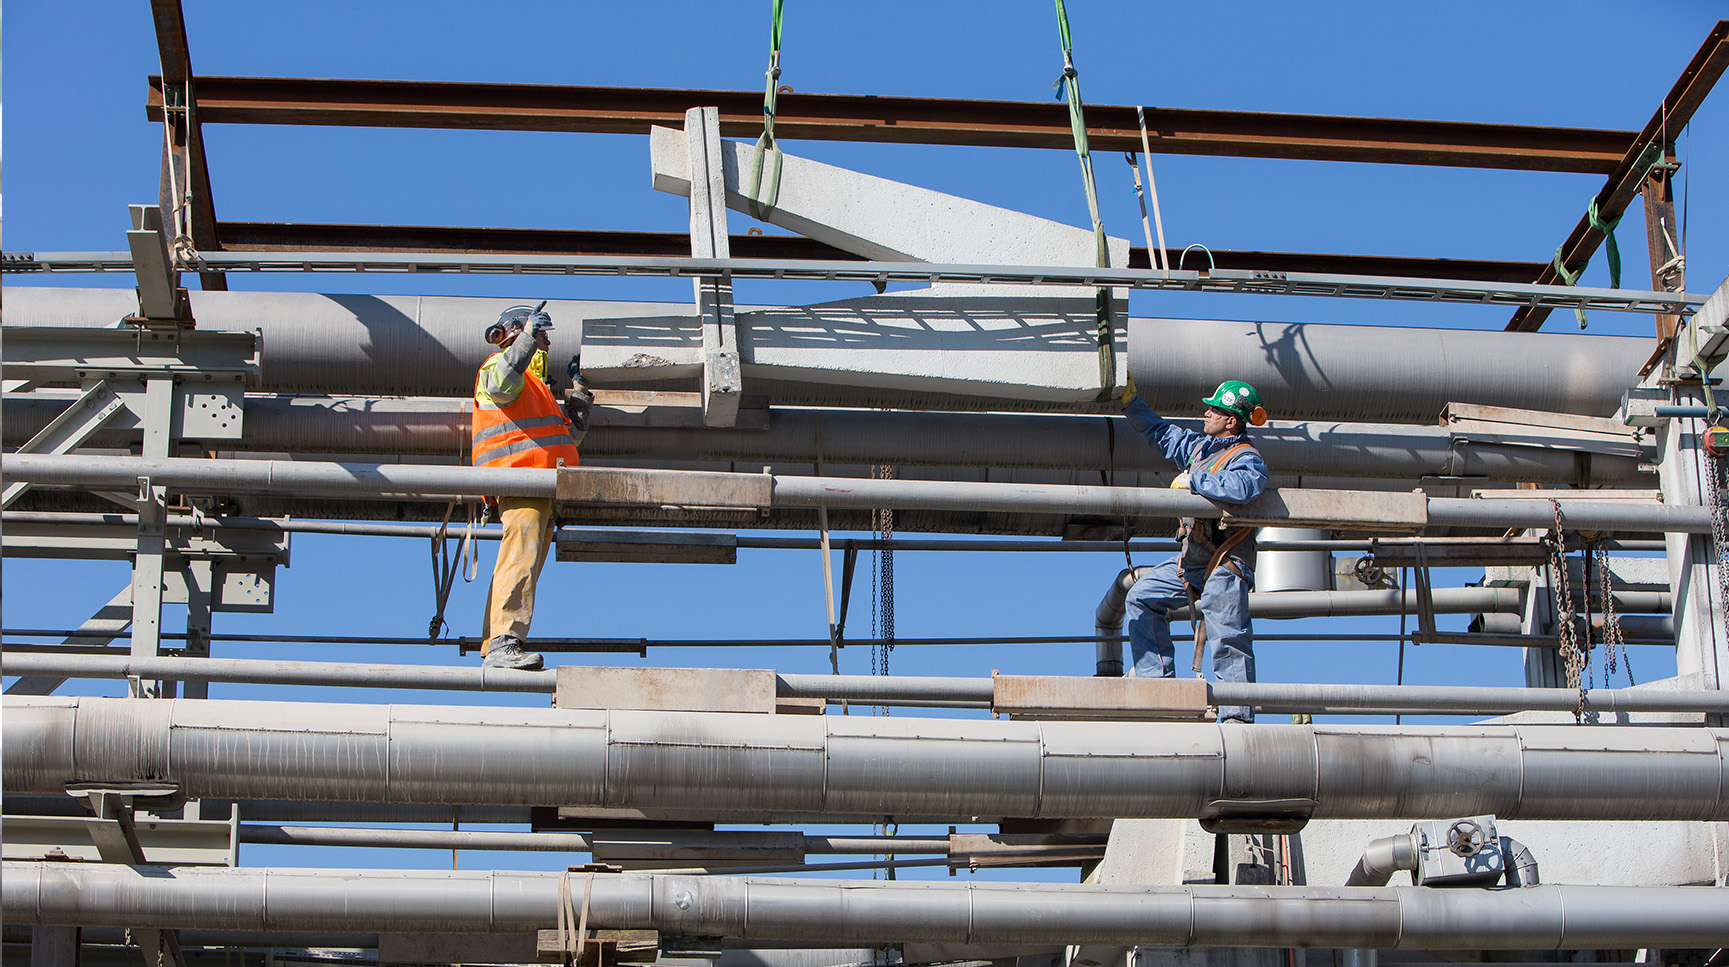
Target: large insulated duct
x,y
357,480
871,911
739,764
1385,373
431,346
439,426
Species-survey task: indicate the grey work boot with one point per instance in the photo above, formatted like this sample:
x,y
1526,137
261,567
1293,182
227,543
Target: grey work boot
x,y
506,651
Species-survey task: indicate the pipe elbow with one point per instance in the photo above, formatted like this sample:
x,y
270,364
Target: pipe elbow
x,y
1521,864
1109,613
1384,857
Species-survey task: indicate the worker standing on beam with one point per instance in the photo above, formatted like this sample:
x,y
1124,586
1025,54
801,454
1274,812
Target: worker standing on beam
x,y
518,423
1216,569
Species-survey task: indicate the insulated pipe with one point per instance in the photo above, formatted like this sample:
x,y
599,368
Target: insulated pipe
x,y
1520,863
1380,372
739,764
1108,623
1382,858
431,346
871,911
288,477
1279,569
871,689
439,426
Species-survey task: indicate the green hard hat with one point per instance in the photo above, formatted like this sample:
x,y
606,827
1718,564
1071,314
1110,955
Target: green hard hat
x,y
1235,396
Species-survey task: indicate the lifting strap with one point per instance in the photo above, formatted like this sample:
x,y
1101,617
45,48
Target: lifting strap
x,y
1155,253
1069,83
762,198
1648,159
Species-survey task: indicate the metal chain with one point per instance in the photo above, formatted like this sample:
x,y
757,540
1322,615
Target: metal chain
x,y
1571,657
1717,474
1614,644
883,589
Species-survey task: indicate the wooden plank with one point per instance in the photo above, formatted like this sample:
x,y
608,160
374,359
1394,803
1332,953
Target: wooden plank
x,y
685,489
1366,510
1055,696
666,689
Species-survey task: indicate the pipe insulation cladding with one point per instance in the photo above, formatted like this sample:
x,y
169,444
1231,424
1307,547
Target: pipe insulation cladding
x,y
1399,375
871,911
440,426
753,764
432,345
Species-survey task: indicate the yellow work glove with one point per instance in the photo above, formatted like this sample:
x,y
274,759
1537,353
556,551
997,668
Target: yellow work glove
x,y
1128,390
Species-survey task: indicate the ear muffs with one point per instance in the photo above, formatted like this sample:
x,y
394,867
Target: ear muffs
x,y
1258,417
495,333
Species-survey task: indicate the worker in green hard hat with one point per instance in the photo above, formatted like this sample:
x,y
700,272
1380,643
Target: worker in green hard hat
x,y
1216,569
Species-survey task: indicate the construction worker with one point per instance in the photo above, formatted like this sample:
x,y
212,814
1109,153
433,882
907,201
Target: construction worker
x,y
1216,569
518,423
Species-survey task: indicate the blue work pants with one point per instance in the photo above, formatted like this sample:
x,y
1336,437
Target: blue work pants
x,y
1224,603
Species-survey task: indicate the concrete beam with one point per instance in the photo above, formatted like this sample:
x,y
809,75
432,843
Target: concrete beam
x,y
891,221
722,384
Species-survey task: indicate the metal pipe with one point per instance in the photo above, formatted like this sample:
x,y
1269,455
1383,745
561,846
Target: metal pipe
x,y
407,481
872,689
1520,863
439,426
1382,858
734,764
828,911
431,346
1108,622
443,839
761,542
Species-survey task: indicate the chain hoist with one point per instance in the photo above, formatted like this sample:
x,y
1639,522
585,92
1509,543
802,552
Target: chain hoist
x,y
1572,658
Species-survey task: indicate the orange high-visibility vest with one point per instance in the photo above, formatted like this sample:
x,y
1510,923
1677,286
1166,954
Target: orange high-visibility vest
x,y
530,431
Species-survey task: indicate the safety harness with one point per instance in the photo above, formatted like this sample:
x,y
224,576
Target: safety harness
x,y
1233,537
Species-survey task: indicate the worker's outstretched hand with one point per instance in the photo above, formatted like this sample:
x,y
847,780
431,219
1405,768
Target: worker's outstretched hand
x,y
1128,390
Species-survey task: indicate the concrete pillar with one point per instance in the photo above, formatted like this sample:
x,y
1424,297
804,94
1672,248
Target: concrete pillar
x,y
54,946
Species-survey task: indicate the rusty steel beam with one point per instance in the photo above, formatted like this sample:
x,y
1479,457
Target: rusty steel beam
x,y
185,149
913,120
301,237
1628,177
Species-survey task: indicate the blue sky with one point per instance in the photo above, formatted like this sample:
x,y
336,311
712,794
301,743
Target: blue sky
x,y
79,150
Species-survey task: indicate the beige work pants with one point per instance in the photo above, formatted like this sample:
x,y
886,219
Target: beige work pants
x,y
521,555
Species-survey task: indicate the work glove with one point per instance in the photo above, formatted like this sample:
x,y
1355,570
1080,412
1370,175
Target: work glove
x,y
1128,390
538,322
578,405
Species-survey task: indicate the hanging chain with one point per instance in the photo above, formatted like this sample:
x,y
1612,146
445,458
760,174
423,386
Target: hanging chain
x,y
1572,659
883,589
1613,641
1717,476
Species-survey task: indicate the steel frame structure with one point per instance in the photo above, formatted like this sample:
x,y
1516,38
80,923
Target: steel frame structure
x,y
146,753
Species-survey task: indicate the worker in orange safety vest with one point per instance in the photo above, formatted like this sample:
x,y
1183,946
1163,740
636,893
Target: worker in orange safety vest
x,y
518,423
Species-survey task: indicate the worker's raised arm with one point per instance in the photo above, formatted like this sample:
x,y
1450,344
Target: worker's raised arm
x,y
1177,444
502,375
1242,481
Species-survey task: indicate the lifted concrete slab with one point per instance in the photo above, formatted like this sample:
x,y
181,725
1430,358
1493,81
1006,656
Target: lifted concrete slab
x,y
891,221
